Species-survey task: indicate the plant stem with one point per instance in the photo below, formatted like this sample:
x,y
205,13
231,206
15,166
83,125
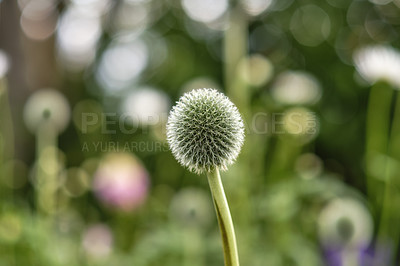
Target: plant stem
x,y
224,219
378,121
389,214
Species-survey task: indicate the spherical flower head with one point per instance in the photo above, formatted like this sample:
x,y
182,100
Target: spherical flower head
x,y
205,131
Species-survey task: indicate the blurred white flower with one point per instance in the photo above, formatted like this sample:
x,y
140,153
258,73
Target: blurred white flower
x,y
97,241
296,88
378,63
146,106
345,223
47,106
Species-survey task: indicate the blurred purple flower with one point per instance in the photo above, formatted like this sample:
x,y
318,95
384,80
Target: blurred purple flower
x,y
362,256
121,182
380,255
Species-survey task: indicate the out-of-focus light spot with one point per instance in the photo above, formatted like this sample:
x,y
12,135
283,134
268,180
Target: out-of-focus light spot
x,y
159,49
271,40
346,41
121,182
280,5
90,165
199,82
121,65
209,31
357,13
205,11
4,64
375,63
46,106
14,174
77,38
296,88
309,166
339,3
191,207
345,223
256,70
10,228
69,221
53,202
146,106
131,17
77,182
380,31
380,2
87,116
278,204
310,25
23,3
98,241
92,7
39,19
301,123
256,7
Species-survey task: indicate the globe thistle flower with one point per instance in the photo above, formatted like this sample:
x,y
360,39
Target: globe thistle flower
x,y
205,131
378,63
121,182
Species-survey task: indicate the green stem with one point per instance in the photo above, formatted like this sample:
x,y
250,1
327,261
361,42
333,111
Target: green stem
x,y
46,177
224,219
389,212
378,121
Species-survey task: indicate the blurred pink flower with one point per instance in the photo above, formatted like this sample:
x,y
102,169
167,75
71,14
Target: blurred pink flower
x,y
121,182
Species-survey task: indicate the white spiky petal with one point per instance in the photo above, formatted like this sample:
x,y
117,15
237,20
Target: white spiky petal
x,y
205,131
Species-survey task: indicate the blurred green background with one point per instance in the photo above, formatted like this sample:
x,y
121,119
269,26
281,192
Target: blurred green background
x,y
86,175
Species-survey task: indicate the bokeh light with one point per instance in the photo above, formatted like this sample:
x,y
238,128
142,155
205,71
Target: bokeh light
x,y
205,11
121,64
146,106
